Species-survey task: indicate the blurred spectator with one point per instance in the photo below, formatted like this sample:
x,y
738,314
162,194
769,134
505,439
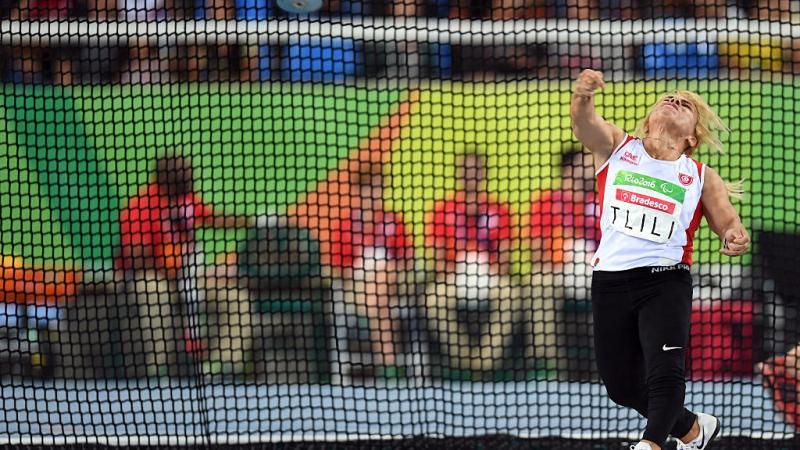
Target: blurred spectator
x,y
6,7
32,300
578,9
51,63
470,224
370,251
496,9
567,60
654,9
778,11
402,57
158,258
469,9
474,305
215,62
229,316
475,312
620,9
406,8
790,362
719,9
780,378
144,64
100,63
562,217
784,11
564,233
504,60
765,54
101,9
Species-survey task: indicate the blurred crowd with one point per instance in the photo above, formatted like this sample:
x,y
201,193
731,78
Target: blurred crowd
x,y
335,59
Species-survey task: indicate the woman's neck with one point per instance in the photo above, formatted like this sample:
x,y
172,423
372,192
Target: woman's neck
x,y
663,147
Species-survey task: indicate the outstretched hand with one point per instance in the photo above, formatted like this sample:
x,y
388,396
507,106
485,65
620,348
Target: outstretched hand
x,y
589,81
735,242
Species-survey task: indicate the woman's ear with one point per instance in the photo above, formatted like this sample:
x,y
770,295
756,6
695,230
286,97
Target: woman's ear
x,y
691,143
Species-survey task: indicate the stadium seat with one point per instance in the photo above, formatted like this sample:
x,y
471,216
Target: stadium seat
x,y
327,60
440,8
440,60
258,10
352,7
440,56
283,272
255,9
681,60
756,54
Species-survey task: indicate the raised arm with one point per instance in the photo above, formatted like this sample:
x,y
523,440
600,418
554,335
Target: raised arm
x,y
594,132
722,216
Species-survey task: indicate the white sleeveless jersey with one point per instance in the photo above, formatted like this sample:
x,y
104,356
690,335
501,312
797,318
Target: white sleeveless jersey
x,y
649,209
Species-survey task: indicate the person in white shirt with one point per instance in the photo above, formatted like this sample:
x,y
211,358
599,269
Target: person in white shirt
x,y
652,197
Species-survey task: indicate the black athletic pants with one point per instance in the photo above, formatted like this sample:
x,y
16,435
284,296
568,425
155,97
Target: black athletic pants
x,y
641,329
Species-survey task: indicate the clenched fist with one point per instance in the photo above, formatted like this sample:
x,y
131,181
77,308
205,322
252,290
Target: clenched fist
x,y
588,82
735,242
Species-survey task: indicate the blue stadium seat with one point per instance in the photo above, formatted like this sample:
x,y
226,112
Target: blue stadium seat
x,y
352,7
200,9
264,69
255,9
441,60
441,55
441,8
258,10
681,60
327,60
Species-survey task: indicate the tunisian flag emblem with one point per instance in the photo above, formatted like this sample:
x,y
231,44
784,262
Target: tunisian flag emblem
x,y
685,179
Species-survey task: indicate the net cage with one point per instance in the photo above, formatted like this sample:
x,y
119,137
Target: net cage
x,y
257,224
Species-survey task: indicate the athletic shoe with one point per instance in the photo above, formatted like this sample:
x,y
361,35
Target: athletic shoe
x,y
642,446
709,429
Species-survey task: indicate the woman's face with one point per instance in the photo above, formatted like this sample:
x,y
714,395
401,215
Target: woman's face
x,y
676,114
472,173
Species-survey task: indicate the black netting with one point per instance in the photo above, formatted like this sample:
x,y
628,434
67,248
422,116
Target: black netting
x,y
226,224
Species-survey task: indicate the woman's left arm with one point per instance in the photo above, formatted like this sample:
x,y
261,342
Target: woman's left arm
x,y
722,216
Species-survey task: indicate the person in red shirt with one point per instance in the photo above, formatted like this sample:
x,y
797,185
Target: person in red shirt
x,y
470,223
157,228
470,233
566,220
159,261
369,250
781,377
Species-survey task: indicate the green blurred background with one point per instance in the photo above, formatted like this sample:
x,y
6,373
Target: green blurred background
x,y
72,156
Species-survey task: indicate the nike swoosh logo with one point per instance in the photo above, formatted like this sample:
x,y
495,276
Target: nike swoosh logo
x,y
703,437
666,349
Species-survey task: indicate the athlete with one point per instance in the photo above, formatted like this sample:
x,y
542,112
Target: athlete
x,y
652,198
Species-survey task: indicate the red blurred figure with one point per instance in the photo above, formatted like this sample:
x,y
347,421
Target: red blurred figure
x,y
470,223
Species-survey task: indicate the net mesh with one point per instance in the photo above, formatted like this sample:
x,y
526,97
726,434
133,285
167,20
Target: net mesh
x,y
228,225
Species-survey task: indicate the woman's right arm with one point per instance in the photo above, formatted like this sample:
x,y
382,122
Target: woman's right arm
x,y
594,132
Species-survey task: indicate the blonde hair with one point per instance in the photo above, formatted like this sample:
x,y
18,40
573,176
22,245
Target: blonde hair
x,y
707,130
